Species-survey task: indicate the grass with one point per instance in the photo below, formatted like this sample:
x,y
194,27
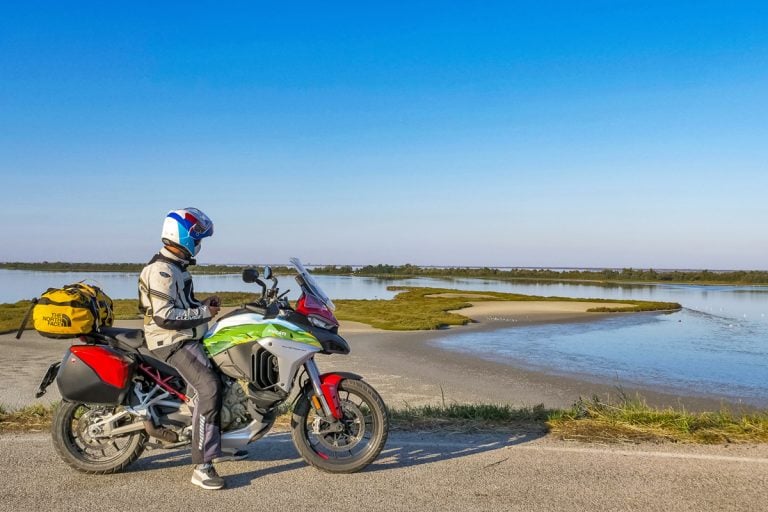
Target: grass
x,y
28,419
632,420
12,314
422,308
408,311
411,309
626,420
471,418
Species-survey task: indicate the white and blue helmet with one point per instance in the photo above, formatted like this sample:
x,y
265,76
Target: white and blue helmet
x,y
185,228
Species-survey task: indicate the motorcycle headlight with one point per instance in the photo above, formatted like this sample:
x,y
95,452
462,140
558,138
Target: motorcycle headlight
x,y
319,322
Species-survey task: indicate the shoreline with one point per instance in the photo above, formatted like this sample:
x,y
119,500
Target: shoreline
x,y
587,384
494,316
409,368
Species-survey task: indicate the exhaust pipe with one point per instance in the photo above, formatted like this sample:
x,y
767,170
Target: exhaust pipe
x,y
163,434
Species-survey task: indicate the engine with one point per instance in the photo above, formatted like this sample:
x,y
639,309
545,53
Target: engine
x,y
235,406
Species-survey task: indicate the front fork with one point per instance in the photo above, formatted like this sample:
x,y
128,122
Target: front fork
x,y
326,389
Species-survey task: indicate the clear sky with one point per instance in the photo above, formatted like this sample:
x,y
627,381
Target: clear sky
x,y
448,133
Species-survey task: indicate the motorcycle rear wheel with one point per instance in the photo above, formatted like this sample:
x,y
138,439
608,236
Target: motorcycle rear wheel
x,y
81,451
366,426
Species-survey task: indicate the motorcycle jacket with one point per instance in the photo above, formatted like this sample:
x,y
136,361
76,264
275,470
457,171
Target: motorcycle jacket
x,y
171,313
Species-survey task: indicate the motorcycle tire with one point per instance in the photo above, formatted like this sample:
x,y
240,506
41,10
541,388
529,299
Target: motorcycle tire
x,y
365,419
86,454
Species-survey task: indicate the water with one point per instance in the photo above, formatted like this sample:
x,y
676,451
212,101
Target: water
x,y
22,284
717,346
688,351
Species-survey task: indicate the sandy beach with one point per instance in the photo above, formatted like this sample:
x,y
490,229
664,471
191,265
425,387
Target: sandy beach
x,y
406,367
532,311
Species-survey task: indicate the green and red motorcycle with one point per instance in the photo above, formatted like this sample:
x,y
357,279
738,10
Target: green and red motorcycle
x,y
118,399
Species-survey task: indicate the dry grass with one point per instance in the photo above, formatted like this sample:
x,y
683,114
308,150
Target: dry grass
x,y
632,420
28,419
627,420
471,418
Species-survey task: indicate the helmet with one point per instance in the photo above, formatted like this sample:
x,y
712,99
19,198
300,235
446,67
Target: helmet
x,y
185,228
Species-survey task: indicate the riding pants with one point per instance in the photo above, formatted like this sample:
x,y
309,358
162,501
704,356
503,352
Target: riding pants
x,y
195,368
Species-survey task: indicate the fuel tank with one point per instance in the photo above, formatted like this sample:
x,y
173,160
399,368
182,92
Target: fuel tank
x,y
232,343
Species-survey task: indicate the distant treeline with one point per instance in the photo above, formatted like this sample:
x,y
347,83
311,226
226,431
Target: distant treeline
x,y
60,266
608,275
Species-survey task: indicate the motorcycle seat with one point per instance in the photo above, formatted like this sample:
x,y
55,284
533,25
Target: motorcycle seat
x,y
129,338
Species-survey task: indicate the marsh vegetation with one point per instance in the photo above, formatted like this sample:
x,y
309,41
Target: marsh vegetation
x,y
411,309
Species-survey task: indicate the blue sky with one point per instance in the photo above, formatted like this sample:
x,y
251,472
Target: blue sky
x,y
505,134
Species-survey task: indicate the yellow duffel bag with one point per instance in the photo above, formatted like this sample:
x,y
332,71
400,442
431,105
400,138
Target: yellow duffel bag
x,y
72,311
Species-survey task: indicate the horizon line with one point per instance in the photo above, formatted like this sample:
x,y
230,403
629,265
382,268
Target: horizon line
x,y
496,267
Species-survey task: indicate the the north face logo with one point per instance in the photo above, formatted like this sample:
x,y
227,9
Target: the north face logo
x,y
58,320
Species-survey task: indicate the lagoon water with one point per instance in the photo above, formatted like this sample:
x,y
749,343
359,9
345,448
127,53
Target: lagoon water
x,y
717,345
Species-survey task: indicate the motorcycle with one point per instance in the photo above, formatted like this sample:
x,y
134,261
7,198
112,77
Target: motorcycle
x,y
118,399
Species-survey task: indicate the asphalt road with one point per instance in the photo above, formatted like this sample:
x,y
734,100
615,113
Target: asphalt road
x,y
415,472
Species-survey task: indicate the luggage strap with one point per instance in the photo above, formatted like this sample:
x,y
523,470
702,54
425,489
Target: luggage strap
x,y
25,321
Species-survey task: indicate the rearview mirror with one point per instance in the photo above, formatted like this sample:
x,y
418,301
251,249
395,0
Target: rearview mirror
x,y
250,275
267,272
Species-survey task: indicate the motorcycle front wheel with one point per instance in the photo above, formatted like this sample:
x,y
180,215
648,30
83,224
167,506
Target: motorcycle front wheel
x,y
365,428
73,429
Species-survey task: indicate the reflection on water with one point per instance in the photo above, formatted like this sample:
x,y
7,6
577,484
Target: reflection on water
x,y
717,345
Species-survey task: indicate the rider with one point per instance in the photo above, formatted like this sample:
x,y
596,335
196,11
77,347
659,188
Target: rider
x,y
174,323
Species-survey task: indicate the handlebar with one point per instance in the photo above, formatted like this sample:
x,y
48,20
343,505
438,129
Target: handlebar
x,y
269,297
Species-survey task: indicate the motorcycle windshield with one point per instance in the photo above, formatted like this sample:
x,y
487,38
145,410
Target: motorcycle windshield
x,y
311,285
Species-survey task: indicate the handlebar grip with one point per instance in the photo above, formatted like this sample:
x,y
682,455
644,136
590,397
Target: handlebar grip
x,y
255,309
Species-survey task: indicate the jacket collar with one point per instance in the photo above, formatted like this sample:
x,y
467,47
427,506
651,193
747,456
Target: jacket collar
x,y
172,258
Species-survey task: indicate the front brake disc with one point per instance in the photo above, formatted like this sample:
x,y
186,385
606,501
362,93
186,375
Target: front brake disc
x,y
351,434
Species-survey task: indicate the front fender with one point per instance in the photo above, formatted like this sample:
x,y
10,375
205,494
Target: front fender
x,y
329,384
343,375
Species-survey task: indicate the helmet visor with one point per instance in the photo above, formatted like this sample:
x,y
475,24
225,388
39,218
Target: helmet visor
x,y
203,226
199,231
